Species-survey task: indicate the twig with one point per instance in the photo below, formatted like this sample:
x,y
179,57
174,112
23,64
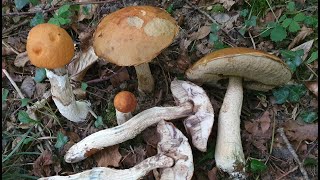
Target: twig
x,y
252,41
15,26
272,11
294,154
54,8
13,83
285,174
8,46
273,133
201,11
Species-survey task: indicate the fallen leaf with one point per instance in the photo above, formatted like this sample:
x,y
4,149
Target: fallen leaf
x,y
227,4
221,18
109,156
306,48
85,38
3,67
40,89
21,59
265,121
41,166
87,11
150,136
270,15
120,77
202,48
79,93
212,174
7,51
304,32
297,132
28,86
201,33
313,87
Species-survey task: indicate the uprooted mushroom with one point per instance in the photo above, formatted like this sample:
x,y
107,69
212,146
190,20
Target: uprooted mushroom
x,y
190,98
174,160
51,47
246,67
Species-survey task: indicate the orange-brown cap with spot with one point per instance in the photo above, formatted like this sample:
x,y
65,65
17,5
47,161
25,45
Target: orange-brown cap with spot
x,y
49,46
125,102
134,35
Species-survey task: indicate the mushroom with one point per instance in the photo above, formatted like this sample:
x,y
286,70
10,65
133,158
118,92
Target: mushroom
x,y
135,125
134,173
124,102
244,67
51,47
134,36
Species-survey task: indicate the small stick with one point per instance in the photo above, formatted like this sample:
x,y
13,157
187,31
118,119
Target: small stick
x,y
252,41
13,83
294,154
16,26
285,174
8,46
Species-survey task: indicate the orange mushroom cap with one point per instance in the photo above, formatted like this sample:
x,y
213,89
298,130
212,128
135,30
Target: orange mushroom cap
x,y
125,102
49,46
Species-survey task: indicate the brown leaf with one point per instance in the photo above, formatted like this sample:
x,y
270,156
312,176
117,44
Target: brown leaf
x,y
151,136
297,132
41,166
91,10
120,77
212,174
265,121
227,4
304,32
7,51
28,86
40,89
109,156
21,59
201,33
270,16
313,87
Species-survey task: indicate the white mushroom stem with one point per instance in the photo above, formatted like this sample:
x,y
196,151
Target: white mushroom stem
x,y
229,153
145,78
136,172
122,117
63,96
124,132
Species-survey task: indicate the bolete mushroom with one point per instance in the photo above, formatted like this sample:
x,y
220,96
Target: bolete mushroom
x,y
186,107
246,67
51,47
133,36
124,102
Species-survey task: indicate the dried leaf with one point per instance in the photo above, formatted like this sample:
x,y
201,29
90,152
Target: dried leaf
x,y
202,48
297,132
306,48
212,174
28,86
41,166
120,77
313,87
109,156
304,32
7,51
265,121
21,59
150,136
227,4
40,89
270,16
201,33
221,18
87,11
79,66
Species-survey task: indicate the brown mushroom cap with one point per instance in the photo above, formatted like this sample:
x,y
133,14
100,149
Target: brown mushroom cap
x,y
49,46
261,71
125,102
134,35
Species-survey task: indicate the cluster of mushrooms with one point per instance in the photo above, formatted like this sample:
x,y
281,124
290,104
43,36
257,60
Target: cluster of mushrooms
x,y
133,36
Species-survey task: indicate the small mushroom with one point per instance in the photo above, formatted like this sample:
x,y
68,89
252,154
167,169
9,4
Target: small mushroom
x,y
124,102
244,67
133,36
134,173
51,47
135,125
175,145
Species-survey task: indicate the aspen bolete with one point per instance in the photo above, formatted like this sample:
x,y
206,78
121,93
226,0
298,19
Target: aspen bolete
x,y
246,67
133,36
51,47
124,102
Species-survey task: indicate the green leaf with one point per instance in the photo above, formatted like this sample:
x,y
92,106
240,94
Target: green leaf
x,y
311,21
214,28
217,8
24,101
294,26
291,66
278,34
310,162
37,19
296,92
242,31
63,21
40,75
170,8
213,38
54,21
299,17
61,140
313,57
23,117
283,17
63,9
5,93
291,6
98,123
281,95
286,22
257,166
86,8
251,22
20,3
34,2
244,12
309,117
266,33
84,86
